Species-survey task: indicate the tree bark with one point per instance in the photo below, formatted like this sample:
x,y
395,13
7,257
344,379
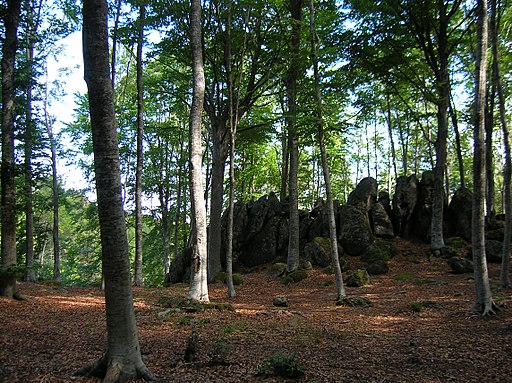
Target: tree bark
x,y
8,207
30,275
291,82
198,280
460,160
484,303
122,360
340,289
443,102
138,279
55,189
217,197
507,169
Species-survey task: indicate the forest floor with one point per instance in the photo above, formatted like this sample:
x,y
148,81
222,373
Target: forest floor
x,y
418,329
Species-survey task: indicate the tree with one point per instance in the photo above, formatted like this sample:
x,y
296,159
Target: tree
x,y
33,13
484,303
122,360
198,280
340,289
139,281
507,168
8,203
293,149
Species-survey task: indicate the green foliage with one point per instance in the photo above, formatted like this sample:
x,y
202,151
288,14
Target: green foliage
x,y
283,365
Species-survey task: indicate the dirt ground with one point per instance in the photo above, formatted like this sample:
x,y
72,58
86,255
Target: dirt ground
x,y
418,330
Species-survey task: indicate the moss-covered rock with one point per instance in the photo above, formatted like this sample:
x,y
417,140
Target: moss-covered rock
x,y
378,251
378,267
456,247
357,278
295,276
354,301
221,277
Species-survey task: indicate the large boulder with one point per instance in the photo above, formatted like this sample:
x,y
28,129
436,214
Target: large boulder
x,y
318,252
357,278
320,220
380,221
423,212
460,265
459,213
493,251
179,270
259,213
404,202
364,195
240,221
355,234
263,247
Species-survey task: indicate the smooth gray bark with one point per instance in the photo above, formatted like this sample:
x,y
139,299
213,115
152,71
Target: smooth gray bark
x,y
198,280
507,169
138,278
122,361
340,289
484,303
293,143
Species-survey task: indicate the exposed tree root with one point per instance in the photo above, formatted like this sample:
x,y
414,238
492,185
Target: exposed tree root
x,y
114,371
487,309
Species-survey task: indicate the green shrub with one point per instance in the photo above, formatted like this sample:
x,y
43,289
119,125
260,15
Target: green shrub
x,y
280,364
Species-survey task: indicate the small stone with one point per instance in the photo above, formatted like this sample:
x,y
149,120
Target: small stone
x,y
280,301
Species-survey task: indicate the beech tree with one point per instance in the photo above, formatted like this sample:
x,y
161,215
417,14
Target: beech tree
x,y
293,150
138,279
8,203
122,360
333,237
484,302
507,167
198,278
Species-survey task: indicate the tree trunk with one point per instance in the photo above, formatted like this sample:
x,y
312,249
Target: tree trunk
x,y
138,279
122,360
233,122
484,303
114,44
30,275
293,74
340,289
507,169
198,279
390,132
443,101
55,189
8,207
455,123
179,199
217,197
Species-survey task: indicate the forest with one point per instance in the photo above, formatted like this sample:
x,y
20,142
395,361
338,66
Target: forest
x,y
229,146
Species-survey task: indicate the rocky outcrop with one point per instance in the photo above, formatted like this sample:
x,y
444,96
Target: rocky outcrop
x,y
364,195
423,209
459,214
260,232
404,202
355,234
